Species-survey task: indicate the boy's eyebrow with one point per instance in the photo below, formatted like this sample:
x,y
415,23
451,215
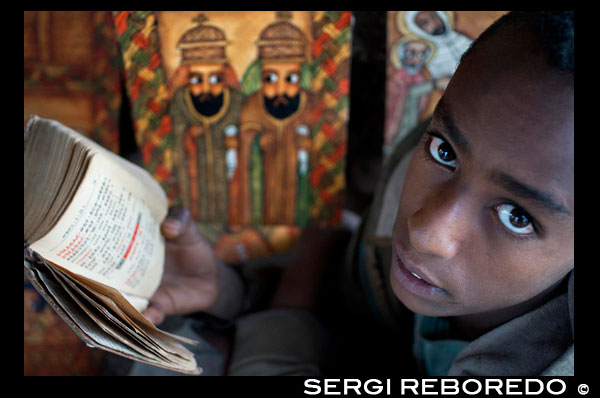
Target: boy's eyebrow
x,y
442,110
502,179
527,192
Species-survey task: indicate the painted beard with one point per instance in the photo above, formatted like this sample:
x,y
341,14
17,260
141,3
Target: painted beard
x,y
207,104
412,69
282,106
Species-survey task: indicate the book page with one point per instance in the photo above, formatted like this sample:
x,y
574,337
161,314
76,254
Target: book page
x,y
113,300
44,278
111,232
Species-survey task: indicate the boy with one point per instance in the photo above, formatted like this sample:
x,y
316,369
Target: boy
x,y
482,247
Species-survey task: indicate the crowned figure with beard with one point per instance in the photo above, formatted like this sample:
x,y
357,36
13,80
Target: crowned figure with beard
x,y
271,181
205,110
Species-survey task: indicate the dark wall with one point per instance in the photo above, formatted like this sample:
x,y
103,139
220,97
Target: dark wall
x,y
367,108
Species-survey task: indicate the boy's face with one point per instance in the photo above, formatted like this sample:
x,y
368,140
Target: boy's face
x,y
486,218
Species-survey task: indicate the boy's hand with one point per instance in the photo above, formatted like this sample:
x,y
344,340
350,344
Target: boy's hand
x,y
315,251
190,281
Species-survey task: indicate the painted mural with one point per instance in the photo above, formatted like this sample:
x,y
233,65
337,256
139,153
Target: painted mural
x,y
242,117
424,49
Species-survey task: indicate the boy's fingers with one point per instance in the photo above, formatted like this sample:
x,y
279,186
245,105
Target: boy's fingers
x,y
176,222
154,315
178,212
171,228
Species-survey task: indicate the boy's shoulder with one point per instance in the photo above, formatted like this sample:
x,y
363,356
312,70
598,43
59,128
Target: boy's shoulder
x,y
564,365
539,342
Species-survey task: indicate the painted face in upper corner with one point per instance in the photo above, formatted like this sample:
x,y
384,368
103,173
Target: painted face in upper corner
x,y
486,218
430,22
414,55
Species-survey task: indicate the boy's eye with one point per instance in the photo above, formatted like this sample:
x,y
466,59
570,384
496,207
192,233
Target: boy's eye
x,y
515,219
214,79
270,78
442,152
195,80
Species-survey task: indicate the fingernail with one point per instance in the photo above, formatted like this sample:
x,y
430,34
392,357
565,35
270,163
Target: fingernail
x,y
174,226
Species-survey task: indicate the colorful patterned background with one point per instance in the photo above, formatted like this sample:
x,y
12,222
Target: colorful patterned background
x,y
72,73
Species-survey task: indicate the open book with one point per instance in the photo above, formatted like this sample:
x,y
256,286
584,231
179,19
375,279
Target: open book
x,y
92,243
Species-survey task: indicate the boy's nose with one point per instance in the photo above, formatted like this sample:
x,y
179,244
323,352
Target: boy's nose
x,y
439,227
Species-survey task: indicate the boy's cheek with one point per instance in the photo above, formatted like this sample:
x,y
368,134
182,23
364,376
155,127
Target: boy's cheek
x,y
505,284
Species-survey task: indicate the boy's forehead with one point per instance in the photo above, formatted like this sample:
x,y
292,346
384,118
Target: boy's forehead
x,y
517,115
518,99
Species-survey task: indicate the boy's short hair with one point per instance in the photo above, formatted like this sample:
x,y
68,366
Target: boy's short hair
x,y
554,31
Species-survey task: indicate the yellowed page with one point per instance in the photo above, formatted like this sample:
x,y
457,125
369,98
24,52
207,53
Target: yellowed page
x,y
113,299
111,231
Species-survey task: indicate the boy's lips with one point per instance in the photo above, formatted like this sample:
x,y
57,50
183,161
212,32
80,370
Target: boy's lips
x,y
414,278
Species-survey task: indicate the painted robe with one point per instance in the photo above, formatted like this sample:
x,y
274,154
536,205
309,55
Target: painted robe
x,y
201,159
271,183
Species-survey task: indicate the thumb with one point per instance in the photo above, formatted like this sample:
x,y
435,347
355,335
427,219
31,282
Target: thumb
x,y
154,315
176,222
161,304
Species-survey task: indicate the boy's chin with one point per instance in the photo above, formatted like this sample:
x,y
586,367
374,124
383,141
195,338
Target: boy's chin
x,y
424,306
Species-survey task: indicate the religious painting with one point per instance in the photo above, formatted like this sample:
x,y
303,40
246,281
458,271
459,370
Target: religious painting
x,y
242,117
424,49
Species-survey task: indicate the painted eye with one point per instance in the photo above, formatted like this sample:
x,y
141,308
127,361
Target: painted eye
x,y
442,152
515,219
293,78
195,80
271,78
214,79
